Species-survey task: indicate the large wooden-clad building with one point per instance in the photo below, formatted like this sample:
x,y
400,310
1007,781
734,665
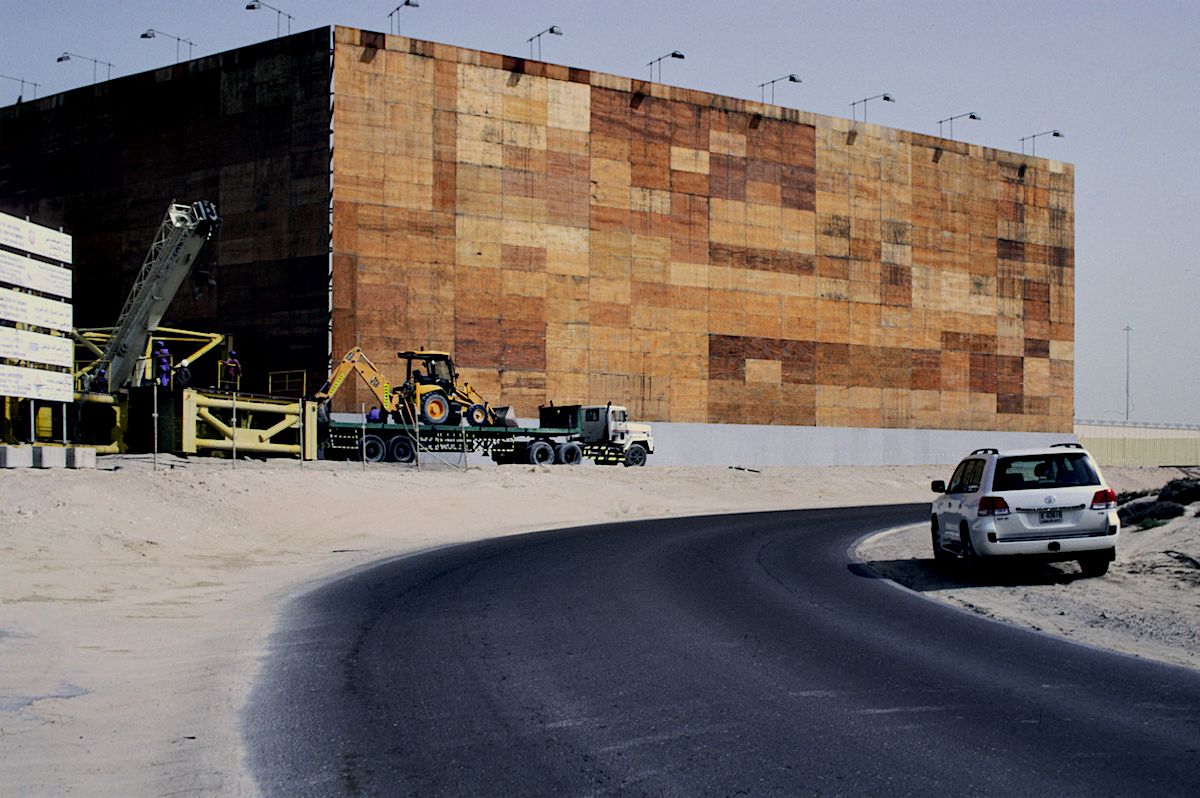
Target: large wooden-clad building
x,y
572,236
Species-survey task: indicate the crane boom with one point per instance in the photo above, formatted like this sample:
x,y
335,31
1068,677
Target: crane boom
x,y
182,233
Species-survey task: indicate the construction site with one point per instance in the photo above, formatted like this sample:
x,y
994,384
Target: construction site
x,y
347,210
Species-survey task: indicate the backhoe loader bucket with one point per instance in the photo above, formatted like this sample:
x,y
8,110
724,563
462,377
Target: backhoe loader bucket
x,y
505,417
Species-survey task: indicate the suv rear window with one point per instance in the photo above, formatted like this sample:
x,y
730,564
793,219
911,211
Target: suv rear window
x,y
1066,470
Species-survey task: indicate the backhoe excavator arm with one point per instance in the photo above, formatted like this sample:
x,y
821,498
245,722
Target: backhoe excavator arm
x,y
354,361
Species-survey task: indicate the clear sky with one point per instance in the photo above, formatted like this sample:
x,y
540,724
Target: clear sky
x,y
1120,80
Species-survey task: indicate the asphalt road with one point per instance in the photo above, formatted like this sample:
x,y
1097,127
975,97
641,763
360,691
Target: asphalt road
x,y
720,656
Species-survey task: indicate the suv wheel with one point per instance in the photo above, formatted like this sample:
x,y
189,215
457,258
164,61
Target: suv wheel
x,y
1094,564
940,555
970,559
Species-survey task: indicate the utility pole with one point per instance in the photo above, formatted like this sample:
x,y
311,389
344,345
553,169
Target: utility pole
x,y
1128,330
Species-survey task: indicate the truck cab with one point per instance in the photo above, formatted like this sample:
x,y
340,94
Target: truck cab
x,y
610,424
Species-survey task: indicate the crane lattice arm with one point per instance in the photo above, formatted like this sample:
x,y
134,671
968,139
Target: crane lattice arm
x,y
180,237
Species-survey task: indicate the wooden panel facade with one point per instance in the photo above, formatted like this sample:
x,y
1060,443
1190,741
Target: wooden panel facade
x,y
580,237
247,130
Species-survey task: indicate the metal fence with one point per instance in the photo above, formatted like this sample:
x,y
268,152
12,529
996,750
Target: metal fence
x,y
1140,443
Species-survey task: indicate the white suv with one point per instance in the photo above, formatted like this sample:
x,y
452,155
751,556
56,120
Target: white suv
x,y
1049,504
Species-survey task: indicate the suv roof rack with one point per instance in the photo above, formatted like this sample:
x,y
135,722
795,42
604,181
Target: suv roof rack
x,y
986,451
1067,445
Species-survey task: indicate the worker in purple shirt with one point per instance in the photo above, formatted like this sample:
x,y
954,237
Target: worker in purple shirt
x,y
164,364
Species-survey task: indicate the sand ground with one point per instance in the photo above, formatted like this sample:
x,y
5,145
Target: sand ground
x,y
135,604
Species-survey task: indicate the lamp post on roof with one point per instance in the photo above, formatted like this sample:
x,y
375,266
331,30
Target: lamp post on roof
x,y
150,34
1033,140
395,12
95,63
969,115
553,30
887,98
762,91
659,60
22,81
255,5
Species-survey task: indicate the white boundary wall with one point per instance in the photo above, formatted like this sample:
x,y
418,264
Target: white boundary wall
x,y
753,446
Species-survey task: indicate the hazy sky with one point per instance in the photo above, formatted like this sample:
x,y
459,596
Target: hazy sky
x,y
1119,80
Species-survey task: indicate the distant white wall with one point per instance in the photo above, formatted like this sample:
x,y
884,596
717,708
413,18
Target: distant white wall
x,y
752,446
1140,444
764,445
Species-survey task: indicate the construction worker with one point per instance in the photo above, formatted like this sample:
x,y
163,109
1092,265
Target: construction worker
x,y
183,375
164,364
374,416
100,381
231,372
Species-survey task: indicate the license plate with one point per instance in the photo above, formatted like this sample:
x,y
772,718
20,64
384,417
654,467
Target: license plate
x,y
1050,517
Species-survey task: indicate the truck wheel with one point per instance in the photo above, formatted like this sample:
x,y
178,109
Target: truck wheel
x,y
477,415
568,453
540,453
400,449
373,448
435,408
635,455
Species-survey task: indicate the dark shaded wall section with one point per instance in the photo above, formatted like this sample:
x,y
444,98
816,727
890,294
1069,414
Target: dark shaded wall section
x,y
247,129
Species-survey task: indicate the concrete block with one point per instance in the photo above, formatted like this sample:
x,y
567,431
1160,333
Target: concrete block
x,y
49,457
16,456
81,457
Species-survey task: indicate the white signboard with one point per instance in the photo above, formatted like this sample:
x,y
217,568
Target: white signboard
x,y
52,386
29,237
35,274
35,310
36,347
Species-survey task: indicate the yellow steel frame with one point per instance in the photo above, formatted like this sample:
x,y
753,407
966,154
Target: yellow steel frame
x,y
206,425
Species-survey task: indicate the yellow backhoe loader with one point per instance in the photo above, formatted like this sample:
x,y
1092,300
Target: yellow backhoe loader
x,y
441,399
434,393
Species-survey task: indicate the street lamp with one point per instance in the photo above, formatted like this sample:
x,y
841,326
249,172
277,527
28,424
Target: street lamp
x,y
151,33
554,30
95,63
395,12
971,115
887,98
1128,330
659,60
762,91
22,81
255,5
1033,140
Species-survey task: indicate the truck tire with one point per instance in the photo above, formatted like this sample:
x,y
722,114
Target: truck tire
x,y
373,448
400,449
635,455
568,453
540,453
477,415
435,408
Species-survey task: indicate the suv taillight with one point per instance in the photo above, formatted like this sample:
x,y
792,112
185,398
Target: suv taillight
x,y
993,505
1104,500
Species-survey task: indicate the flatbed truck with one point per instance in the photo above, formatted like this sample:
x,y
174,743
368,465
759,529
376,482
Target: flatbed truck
x,y
565,435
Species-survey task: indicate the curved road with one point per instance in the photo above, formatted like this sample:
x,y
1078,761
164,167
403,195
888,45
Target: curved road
x,y
719,656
